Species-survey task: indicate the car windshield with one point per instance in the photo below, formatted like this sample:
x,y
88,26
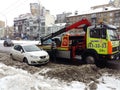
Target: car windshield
x,y
113,35
30,48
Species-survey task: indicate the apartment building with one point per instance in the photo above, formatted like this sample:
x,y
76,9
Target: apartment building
x,y
55,27
108,15
61,18
33,25
44,17
2,29
22,26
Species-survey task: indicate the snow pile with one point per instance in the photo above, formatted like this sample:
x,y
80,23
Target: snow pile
x,y
18,79
109,83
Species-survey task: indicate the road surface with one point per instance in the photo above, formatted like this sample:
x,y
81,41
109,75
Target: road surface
x,y
110,64
7,49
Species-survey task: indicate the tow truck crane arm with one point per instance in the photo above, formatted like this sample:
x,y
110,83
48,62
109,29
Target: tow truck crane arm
x,y
84,22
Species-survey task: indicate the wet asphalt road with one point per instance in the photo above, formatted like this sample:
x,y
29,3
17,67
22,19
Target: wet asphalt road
x,y
114,64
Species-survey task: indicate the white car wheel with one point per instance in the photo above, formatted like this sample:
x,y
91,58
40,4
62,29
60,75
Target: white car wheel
x,y
26,61
11,56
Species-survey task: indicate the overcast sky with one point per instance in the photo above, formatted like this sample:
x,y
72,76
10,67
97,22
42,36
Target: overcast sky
x,y
12,8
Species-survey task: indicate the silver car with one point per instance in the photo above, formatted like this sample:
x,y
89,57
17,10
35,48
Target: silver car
x,y
8,42
31,54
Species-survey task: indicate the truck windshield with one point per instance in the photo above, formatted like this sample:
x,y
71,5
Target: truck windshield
x,y
113,34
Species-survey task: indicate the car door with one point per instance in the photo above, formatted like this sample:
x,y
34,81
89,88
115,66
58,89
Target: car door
x,y
18,55
21,53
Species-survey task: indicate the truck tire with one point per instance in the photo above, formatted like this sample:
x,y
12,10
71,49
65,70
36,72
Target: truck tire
x,y
89,59
101,63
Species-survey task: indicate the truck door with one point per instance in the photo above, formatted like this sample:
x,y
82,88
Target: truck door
x,y
97,40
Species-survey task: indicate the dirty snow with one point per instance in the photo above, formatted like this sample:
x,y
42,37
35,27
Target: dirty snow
x,y
18,79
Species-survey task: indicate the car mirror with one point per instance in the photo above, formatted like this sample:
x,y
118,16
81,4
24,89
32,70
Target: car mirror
x,y
21,51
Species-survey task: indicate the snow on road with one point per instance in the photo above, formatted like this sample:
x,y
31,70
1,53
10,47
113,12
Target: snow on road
x,y
12,78
18,79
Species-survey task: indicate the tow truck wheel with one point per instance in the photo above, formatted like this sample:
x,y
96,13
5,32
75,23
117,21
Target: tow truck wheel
x,y
89,59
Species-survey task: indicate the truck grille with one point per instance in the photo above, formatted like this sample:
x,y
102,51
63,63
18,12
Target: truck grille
x,y
114,49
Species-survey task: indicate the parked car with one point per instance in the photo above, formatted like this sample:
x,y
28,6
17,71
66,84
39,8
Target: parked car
x,y
8,42
30,54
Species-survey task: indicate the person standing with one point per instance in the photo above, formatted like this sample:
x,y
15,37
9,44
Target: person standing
x,y
54,50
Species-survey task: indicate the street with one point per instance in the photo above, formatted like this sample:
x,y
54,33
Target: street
x,y
62,71
4,49
7,49
110,64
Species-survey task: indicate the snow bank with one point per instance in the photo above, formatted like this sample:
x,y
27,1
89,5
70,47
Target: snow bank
x,y
109,83
18,79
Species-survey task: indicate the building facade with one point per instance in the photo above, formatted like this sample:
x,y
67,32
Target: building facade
x,y
33,25
109,15
2,29
44,18
22,25
61,18
55,27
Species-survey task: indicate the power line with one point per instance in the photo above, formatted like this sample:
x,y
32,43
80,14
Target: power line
x,y
14,6
11,5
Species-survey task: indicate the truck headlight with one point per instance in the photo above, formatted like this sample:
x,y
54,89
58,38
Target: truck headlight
x,y
112,57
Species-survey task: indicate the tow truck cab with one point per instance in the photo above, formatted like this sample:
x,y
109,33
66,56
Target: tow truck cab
x,y
103,40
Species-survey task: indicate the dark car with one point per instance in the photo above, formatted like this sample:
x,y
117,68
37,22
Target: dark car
x,y
8,42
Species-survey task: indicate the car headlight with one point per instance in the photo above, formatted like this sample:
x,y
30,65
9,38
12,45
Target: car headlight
x,y
33,56
47,56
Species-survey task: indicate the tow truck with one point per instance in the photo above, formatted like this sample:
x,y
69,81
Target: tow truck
x,y
98,44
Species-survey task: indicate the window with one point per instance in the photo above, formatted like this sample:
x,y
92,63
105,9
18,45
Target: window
x,y
111,14
111,19
43,23
98,33
95,33
18,47
112,34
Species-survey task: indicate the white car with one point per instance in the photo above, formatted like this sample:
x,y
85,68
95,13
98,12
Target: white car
x,y
31,54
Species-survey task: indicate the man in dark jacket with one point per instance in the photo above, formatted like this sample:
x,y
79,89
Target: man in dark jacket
x,y
54,50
